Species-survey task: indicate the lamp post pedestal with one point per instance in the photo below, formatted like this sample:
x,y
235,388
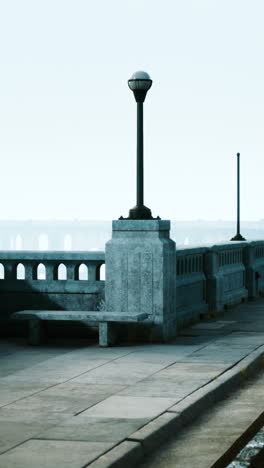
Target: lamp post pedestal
x,y
141,277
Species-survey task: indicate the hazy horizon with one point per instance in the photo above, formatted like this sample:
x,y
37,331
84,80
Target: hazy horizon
x,y
72,220
68,118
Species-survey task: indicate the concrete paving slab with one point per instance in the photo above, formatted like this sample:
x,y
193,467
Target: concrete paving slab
x,y
40,416
224,357
53,453
88,428
122,372
130,407
80,391
155,388
57,404
68,397
10,392
13,433
194,369
154,357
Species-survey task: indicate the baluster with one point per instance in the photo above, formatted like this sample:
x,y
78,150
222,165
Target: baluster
x,y
92,267
71,269
10,270
50,271
28,270
98,271
34,271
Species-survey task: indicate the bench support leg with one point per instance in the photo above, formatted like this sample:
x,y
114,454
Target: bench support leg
x,y
36,332
107,335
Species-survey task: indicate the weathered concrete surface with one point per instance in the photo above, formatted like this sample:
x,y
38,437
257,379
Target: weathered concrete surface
x,y
216,435
141,275
78,402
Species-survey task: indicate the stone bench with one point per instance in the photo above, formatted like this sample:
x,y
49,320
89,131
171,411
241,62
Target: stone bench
x,y
104,319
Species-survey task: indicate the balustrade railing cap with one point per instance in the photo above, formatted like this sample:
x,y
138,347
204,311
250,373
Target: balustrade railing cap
x,y
189,250
49,255
230,245
141,225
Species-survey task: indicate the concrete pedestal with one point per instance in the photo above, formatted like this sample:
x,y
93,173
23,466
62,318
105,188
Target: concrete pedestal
x,y
141,277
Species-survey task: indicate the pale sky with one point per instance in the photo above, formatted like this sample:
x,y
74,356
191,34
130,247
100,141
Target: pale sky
x,y
68,118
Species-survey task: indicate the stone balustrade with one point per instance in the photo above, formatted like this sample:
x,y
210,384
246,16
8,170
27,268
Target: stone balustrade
x,y
208,280
49,280
226,277
191,285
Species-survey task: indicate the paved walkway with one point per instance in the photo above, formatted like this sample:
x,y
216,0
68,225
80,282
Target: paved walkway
x,y
65,406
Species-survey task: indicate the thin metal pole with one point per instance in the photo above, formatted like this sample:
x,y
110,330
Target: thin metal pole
x,y
238,236
238,193
140,164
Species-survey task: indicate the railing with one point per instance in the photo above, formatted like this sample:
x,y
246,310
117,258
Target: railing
x,y
260,250
230,256
208,279
256,268
226,279
50,280
190,286
189,261
50,266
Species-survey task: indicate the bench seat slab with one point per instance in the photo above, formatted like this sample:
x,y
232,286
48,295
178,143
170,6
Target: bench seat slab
x,y
80,315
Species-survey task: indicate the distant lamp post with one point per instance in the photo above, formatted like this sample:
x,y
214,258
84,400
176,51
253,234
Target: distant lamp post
x,y
140,83
238,236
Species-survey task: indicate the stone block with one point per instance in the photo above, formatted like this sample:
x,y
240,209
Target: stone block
x,y
141,276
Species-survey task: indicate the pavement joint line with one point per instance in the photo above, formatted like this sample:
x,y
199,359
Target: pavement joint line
x,y
142,380
156,431
126,386
56,384
213,338
15,446
222,373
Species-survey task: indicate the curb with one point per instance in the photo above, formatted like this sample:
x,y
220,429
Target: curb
x,y
131,451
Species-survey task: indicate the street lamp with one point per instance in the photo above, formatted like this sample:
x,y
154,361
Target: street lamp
x,y
140,82
238,236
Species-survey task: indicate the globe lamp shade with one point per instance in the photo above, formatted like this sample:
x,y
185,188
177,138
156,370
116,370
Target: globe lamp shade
x,y
140,82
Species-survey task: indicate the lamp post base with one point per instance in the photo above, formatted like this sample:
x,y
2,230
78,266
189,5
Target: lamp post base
x,y
238,237
140,212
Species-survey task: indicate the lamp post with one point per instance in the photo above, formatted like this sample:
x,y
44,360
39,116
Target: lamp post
x,y
140,82
238,236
